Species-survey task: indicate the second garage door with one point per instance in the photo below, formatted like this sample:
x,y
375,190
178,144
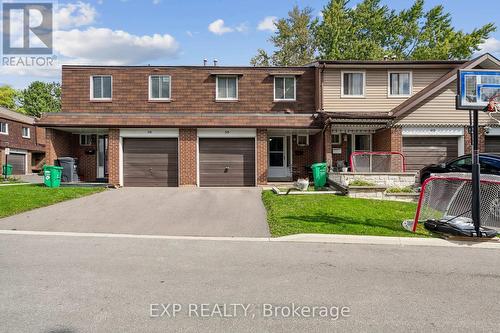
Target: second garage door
x,y
422,151
150,162
18,162
492,144
227,162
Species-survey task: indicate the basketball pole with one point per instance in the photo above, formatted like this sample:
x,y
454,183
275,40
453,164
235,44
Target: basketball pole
x,y
476,174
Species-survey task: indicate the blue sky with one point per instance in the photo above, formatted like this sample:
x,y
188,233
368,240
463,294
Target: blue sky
x,y
171,32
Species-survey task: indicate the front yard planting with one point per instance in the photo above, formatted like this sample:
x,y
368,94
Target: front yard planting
x,y
330,214
18,199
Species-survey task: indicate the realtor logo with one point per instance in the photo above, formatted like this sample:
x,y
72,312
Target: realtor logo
x,y
27,28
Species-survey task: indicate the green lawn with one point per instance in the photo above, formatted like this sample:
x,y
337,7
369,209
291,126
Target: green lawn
x,y
17,199
331,214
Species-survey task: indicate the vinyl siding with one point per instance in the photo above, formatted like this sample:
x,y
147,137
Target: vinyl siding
x,y
376,99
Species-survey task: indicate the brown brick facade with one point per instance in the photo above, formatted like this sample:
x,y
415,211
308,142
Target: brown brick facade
x,y
188,141
58,144
262,156
468,140
390,140
114,156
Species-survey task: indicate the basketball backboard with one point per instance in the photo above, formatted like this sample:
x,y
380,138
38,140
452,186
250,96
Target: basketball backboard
x,y
476,87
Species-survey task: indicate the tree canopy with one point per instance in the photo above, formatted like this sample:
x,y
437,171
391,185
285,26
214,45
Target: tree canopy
x,y
8,96
40,97
370,31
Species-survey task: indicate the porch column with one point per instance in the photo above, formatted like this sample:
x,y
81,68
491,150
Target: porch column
x,y
327,145
114,156
187,156
262,156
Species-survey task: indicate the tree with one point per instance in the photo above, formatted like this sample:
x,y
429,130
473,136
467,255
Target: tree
x,y
41,97
8,97
369,31
293,40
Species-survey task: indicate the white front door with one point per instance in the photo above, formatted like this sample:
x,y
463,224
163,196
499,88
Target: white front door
x,y
278,158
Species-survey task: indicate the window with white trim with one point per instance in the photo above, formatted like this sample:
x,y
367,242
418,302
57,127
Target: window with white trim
x,y
101,87
4,128
26,132
336,139
399,84
353,84
284,88
227,87
159,87
302,140
362,142
85,139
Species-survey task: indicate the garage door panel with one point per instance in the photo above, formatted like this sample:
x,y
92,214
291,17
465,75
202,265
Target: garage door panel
x,y
422,151
150,162
227,162
18,162
492,144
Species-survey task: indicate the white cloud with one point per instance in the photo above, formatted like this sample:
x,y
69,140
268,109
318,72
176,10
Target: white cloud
x,y
113,47
74,15
217,27
491,45
243,27
268,23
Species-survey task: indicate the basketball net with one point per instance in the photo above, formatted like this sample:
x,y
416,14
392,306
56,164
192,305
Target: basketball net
x,y
494,108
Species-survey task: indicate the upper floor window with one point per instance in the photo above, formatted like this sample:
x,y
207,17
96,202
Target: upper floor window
x,y
159,87
353,84
284,88
399,84
26,132
227,87
101,87
4,128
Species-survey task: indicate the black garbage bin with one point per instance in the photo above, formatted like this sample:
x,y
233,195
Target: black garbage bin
x,y
70,169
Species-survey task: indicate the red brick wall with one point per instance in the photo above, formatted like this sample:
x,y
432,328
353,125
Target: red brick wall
x,y
390,140
468,140
187,156
114,156
193,90
87,162
58,143
262,156
15,140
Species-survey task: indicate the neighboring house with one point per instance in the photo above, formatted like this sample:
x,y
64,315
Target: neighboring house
x,y
246,126
25,141
401,106
187,125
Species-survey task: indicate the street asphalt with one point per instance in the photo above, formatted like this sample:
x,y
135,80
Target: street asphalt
x,y
109,284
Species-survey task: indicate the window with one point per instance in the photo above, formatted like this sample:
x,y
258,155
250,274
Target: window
x,y
302,140
399,84
4,128
159,87
26,132
353,84
362,142
227,88
277,151
284,88
100,87
86,139
336,139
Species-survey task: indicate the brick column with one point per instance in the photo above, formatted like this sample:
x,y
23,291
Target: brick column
x,y
262,155
187,156
327,145
390,139
468,140
114,156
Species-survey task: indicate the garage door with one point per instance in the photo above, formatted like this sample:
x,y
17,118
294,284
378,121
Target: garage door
x,y
18,162
227,162
492,144
423,151
150,162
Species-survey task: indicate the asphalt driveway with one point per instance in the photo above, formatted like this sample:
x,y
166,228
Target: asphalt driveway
x,y
226,212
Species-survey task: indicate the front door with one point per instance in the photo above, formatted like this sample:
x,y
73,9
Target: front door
x,y
278,158
102,156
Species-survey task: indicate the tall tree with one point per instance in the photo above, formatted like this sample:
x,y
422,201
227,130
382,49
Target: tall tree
x,y
41,97
8,97
293,41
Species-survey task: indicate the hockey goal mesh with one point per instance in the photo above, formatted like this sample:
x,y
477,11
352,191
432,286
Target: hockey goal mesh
x,y
450,195
377,161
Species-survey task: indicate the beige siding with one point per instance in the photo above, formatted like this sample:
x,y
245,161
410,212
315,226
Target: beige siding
x,y
440,109
376,99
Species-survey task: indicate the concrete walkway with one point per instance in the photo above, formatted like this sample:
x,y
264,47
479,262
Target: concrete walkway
x,y
225,212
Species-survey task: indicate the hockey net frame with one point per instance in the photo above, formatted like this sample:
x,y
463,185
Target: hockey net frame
x,y
377,155
448,196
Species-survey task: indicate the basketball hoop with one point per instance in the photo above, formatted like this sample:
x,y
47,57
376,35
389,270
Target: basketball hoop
x,y
493,107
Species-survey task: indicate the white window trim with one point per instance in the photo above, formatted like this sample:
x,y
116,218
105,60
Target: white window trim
x,y
88,143
217,88
29,132
92,98
294,88
339,136
389,95
151,98
307,140
6,129
342,84
353,143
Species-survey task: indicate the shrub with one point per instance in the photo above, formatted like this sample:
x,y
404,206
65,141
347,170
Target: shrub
x,y
406,189
361,182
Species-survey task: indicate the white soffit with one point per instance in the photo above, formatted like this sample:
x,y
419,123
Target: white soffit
x,y
433,131
227,132
149,132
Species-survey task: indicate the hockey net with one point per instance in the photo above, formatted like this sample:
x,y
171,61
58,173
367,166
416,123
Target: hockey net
x,y
448,196
377,161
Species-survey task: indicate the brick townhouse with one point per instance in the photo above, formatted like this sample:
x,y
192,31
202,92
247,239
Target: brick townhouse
x,y
24,140
245,126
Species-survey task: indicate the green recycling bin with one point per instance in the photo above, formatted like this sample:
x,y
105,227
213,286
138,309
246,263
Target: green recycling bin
x,y
52,175
320,173
7,170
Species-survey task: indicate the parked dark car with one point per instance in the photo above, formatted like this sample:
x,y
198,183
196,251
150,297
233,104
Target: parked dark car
x,y
490,164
